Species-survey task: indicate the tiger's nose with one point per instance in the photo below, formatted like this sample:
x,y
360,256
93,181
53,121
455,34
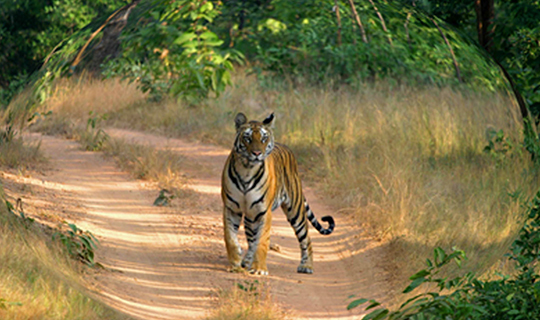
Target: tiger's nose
x,y
257,153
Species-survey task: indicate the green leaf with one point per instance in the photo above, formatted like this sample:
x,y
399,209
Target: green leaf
x,y
208,35
372,304
414,284
419,274
356,303
185,37
376,315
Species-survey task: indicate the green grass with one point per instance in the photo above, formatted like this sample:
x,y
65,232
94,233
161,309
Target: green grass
x,y
407,163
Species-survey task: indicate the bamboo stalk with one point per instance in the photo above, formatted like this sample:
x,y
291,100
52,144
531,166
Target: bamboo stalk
x,y
358,22
336,8
406,25
382,22
456,66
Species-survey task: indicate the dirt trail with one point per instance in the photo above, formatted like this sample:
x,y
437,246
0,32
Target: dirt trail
x,y
165,263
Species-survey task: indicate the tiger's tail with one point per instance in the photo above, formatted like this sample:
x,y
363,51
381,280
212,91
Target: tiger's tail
x,y
316,224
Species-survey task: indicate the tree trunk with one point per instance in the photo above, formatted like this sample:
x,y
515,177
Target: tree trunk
x,y
109,46
484,20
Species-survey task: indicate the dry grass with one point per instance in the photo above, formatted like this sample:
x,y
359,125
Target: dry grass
x,y
247,301
37,278
407,163
15,153
75,98
145,162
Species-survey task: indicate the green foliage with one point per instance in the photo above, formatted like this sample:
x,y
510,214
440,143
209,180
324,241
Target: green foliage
x,y
80,244
164,198
93,137
469,297
531,141
249,287
29,30
4,304
300,39
18,209
500,147
172,50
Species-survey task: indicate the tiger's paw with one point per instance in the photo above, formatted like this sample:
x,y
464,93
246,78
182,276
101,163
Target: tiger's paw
x,y
236,269
304,269
246,263
259,272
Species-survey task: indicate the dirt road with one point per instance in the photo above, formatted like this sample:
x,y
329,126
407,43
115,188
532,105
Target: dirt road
x,y
167,262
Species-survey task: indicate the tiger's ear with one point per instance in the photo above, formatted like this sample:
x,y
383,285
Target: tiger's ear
x,y
269,121
239,120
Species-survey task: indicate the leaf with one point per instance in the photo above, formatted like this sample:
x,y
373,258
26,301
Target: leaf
x,y
373,304
73,227
185,37
414,284
419,274
356,303
376,315
208,35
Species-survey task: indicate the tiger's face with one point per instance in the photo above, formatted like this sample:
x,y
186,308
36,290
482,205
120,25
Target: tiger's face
x,y
254,139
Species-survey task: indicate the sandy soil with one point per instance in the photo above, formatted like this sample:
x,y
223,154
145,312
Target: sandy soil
x,y
168,262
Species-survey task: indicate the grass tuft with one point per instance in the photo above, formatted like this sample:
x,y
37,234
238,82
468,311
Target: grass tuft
x,y
246,303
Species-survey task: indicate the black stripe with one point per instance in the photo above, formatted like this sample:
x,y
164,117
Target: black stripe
x,y
259,200
233,212
293,220
258,216
232,200
300,228
233,179
255,175
302,238
239,177
257,180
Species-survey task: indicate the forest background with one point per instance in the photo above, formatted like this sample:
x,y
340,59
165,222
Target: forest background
x,y
187,51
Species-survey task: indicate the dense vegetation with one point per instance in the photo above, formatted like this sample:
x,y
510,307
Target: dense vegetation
x,y
469,296
186,49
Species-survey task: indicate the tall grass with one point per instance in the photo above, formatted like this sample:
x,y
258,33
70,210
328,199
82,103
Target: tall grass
x,y
16,153
408,163
37,278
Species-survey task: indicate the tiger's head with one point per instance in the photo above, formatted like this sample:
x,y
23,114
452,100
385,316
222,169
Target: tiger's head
x,y
254,139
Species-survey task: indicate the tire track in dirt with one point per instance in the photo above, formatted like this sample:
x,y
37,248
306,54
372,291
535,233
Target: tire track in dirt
x,y
166,263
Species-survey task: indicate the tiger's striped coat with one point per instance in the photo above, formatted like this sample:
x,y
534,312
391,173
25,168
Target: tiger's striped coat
x,y
260,176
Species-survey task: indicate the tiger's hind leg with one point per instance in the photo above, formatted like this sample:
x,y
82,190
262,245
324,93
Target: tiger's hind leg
x,y
258,236
231,223
296,215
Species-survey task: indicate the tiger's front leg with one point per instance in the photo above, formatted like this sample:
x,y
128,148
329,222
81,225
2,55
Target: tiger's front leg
x,y
231,223
258,236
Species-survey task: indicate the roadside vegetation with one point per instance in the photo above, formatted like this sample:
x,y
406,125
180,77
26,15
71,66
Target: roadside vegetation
x,y
418,168
402,120
38,277
248,300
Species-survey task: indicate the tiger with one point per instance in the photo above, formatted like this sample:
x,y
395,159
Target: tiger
x,y
259,176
